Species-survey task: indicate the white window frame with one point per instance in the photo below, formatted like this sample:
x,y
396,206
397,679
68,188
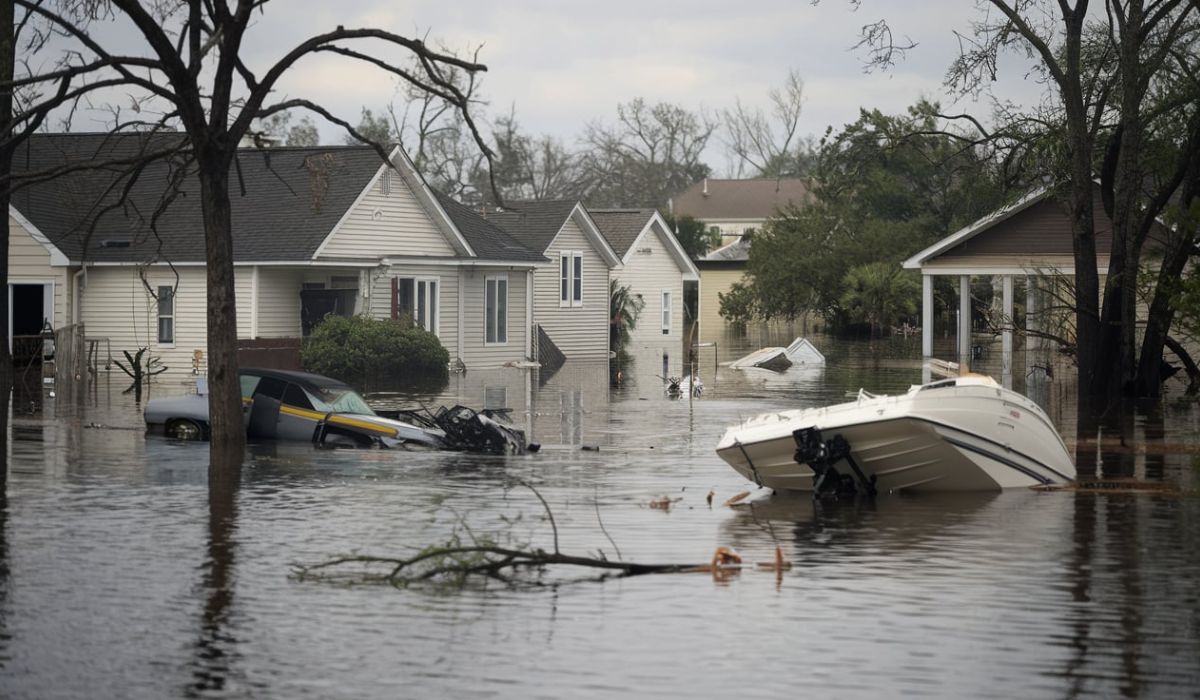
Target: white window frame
x,y
159,315
436,298
666,315
570,280
488,282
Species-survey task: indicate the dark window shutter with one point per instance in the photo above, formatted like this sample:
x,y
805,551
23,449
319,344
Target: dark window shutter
x,y
394,290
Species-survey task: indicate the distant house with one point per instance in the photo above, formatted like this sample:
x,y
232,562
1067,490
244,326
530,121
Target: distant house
x,y
570,289
734,208
656,269
315,231
719,271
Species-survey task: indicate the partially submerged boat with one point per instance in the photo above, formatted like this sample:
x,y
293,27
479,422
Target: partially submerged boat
x,y
962,434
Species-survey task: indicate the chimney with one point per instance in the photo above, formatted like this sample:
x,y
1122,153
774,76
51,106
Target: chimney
x,y
705,187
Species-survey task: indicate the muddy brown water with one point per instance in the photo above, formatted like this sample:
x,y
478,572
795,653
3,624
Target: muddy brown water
x,y
121,576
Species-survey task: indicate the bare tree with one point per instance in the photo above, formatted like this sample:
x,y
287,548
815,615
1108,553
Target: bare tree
x,y
765,141
650,153
187,71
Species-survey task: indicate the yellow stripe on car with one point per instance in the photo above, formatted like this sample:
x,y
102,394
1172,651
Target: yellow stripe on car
x,y
338,420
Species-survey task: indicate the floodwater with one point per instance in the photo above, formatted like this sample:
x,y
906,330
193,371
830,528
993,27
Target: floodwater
x,y
123,575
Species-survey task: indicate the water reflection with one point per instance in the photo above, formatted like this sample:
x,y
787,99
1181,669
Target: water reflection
x,y
139,578
216,648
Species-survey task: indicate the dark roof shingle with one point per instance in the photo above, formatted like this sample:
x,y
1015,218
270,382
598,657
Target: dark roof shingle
x,y
488,240
285,201
758,198
534,224
621,227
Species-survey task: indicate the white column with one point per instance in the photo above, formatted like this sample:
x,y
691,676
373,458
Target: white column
x,y
1032,342
927,316
964,319
254,302
1006,345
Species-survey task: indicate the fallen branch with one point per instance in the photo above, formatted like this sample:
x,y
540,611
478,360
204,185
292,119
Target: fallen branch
x,y
458,561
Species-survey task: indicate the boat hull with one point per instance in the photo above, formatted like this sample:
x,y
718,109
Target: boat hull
x,y
955,441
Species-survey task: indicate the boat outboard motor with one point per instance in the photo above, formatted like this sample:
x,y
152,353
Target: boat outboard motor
x,y
821,456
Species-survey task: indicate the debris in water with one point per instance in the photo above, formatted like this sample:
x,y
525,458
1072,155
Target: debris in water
x,y
711,493
1117,485
737,499
664,502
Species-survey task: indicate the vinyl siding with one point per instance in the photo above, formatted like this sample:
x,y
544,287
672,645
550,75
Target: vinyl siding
x,y
649,275
712,283
278,302
581,332
118,307
29,261
387,225
477,354
380,301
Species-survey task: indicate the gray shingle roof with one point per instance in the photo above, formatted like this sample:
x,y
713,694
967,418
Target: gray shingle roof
x,y
285,201
534,224
489,241
621,227
758,198
738,251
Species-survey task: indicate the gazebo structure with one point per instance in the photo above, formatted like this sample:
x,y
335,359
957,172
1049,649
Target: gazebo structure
x,y
1028,238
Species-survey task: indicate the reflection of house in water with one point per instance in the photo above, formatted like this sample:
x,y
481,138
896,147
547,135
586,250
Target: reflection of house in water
x,y
572,406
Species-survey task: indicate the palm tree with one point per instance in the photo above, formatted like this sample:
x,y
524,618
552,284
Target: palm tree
x,y
623,311
878,293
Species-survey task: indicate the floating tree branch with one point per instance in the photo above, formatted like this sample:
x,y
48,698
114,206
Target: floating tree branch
x,y
457,561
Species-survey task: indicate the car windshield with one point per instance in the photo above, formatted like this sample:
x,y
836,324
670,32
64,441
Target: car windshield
x,y
330,399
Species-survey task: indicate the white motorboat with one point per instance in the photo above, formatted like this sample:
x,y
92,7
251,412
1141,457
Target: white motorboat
x,y
962,434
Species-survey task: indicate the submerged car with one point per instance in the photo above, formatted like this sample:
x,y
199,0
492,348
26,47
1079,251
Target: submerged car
x,y
286,405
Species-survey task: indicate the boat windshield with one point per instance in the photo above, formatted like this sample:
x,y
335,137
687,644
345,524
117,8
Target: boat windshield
x,y
339,400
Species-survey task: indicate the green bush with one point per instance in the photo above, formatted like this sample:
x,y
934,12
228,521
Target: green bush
x,y
360,350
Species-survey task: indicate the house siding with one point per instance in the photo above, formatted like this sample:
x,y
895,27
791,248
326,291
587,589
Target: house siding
x,y
478,354
278,302
649,275
29,261
581,332
117,306
383,225
713,282
379,304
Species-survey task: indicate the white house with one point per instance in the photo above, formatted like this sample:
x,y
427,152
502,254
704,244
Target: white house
x,y
655,268
316,230
735,208
571,289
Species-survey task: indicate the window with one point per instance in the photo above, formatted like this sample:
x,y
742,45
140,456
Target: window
x,y
385,183
166,315
570,272
495,310
418,297
666,313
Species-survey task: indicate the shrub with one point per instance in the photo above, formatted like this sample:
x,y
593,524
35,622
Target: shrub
x,y
361,350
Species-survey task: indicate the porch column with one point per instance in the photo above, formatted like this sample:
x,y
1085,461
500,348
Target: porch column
x,y
964,319
1006,343
926,315
1032,342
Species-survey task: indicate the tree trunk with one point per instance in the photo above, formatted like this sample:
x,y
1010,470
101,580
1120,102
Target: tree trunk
x,y
225,397
7,64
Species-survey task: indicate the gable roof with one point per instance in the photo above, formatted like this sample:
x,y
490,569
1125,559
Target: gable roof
x,y
984,223
537,223
623,228
757,198
487,239
284,201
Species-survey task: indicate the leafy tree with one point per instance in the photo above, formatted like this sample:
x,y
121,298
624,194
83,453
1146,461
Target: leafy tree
x,y
373,128
624,308
694,237
882,194
738,305
879,294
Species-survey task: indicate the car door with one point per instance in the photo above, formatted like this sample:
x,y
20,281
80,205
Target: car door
x,y
297,418
266,399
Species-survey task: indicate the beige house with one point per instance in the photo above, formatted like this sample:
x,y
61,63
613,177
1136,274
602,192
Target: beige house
x,y
316,231
735,208
656,269
570,289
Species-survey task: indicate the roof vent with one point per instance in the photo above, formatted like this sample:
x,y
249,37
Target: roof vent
x,y
115,243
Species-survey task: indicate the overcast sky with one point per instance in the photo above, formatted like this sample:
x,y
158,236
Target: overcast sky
x,y
563,63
